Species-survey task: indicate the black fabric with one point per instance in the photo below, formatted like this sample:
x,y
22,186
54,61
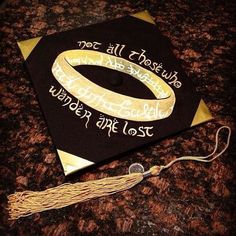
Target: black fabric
x,y
68,130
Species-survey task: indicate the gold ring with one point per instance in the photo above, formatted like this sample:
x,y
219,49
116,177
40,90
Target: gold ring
x,y
109,102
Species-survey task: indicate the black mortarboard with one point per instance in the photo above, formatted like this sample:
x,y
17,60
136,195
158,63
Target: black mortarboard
x,y
108,88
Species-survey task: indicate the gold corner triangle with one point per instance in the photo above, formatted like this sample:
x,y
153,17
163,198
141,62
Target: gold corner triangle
x,y
27,46
144,15
202,114
72,163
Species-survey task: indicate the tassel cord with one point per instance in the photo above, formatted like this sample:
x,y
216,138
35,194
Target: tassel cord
x,y
156,170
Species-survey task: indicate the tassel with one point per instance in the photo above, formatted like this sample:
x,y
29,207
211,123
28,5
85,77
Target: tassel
x,y
22,204
29,202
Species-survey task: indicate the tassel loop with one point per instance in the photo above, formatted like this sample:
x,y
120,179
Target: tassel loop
x,y
156,170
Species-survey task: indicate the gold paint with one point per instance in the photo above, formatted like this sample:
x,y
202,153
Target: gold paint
x,y
27,46
202,114
144,15
72,163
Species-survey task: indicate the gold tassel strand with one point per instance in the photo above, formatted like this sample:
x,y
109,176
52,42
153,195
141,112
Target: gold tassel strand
x,y
22,204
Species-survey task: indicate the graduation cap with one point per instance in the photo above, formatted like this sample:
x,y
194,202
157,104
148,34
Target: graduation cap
x,y
109,88
106,89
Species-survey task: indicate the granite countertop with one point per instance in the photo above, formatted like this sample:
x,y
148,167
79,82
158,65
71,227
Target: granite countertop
x,y
190,198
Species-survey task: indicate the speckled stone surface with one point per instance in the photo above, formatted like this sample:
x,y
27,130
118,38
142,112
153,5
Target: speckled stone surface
x,y
188,199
